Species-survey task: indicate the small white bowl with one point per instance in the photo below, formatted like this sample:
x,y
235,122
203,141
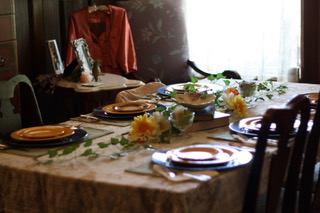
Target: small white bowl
x,y
194,101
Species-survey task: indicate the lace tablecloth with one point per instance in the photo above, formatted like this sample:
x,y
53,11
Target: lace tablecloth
x,y
104,185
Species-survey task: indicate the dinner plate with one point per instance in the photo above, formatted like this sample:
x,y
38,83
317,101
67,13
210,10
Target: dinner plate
x,y
79,134
166,90
253,124
129,108
313,97
41,133
102,114
235,127
241,158
201,154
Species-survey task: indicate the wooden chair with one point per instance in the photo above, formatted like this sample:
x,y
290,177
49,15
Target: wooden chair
x,y
309,200
284,171
18,105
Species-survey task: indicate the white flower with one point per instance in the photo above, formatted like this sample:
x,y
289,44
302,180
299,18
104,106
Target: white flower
x,y
162,122
228,99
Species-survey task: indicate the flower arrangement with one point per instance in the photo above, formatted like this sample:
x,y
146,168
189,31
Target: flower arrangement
x,y
236,98
239,97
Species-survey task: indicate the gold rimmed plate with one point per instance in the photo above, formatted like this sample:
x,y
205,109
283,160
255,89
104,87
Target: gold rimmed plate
x,y
41,133
313,97
78,135
254,124
239,158
129,108
201,154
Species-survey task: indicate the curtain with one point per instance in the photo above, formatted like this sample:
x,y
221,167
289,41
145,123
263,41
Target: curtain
x,y
259,39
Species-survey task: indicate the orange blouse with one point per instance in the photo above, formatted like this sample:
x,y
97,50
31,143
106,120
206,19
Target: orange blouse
x,y
109,38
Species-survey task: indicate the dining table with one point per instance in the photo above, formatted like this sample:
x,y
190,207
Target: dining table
x,y
31,181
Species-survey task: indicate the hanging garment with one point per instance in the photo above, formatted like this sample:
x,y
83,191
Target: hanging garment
x,y
109,38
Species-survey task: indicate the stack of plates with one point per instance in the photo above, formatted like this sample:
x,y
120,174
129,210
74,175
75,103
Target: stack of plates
x,y
202,156
45,136
125,110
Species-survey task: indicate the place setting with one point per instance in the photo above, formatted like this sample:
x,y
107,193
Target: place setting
x,y
125,110
46,136
200,157
250,127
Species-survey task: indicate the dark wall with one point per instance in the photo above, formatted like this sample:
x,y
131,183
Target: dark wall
x,y
310,61
40,20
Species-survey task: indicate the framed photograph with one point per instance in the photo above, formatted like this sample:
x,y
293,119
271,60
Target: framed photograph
x,y
57,64
82,53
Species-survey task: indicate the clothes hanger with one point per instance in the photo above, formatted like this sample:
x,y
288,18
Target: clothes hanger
x,y
95,8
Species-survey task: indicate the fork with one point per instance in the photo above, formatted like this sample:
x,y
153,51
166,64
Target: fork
x,y
194,176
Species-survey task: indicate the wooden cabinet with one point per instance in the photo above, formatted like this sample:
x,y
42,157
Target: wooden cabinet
x,y
8,41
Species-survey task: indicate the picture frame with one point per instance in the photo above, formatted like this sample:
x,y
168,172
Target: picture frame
x,y
82,53
55,57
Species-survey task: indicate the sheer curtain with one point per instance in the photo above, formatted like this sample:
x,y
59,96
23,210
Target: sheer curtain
x,y
257,38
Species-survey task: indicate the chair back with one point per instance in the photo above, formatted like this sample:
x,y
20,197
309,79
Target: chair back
x,y
309,198
18,105
285,163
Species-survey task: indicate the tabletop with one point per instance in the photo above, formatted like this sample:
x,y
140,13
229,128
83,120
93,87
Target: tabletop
x,y
102,184
107,81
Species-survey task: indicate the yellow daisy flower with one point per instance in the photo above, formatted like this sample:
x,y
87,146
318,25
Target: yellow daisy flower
x,y
142,125
239,105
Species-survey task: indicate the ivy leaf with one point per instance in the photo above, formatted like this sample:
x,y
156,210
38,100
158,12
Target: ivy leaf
x,y
194,79
160,109
269,96
211,77
89,152
220,75
114,141
189,87
172,94
88,143
70,149
52,153
124,141
262,86
226,82
103,145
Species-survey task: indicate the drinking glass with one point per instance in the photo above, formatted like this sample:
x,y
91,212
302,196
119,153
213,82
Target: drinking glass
x,y
182,122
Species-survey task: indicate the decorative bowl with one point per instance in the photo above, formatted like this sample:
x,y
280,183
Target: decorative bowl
x,y
195,101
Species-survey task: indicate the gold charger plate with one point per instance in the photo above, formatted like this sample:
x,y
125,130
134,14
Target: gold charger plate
x,y
42,133
313,98
202,154
129,108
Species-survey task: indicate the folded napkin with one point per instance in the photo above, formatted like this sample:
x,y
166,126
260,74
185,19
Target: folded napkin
x,y
136,93
203,175
102,121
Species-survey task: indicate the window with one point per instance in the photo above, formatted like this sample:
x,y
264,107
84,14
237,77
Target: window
x,y
257,38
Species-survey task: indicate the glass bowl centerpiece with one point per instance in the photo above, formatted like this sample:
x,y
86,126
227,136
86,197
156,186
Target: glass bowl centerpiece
x,y
194,99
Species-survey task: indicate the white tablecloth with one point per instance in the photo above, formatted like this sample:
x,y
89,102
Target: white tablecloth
x,y
104,185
